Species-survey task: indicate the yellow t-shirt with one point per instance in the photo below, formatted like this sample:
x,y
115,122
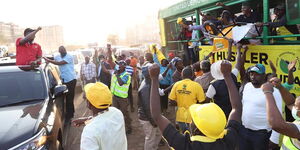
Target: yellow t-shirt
x,y
186,93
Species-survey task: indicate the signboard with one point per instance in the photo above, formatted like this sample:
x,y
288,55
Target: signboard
x,y
280,55
184,6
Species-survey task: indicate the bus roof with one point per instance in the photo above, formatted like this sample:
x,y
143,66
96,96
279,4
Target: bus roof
x,y
189,5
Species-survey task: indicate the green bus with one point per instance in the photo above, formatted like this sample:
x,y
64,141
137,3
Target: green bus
x,y
273,47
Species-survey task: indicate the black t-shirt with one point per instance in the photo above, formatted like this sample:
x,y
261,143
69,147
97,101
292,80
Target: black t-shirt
x,y
183,142
254,17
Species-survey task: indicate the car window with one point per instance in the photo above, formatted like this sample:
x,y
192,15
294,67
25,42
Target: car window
x,y
16,87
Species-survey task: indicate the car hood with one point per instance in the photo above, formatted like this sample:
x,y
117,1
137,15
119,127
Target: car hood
x,y
18,123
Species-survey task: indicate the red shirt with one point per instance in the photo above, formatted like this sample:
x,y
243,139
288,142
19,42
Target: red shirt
x,y
27,52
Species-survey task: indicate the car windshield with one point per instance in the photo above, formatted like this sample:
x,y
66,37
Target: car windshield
x,y
16,87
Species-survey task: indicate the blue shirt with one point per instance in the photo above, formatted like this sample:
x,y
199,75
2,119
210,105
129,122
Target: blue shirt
x,y
128,69
124,78
167,80
67,71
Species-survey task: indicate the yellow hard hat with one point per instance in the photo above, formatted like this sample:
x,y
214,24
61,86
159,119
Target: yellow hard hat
x,y
209,119
179,20
98,95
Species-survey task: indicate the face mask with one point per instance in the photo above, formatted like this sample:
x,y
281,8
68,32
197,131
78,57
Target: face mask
x,y
294,114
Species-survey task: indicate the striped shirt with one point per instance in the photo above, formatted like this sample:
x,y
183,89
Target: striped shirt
x,y
129,70
88,70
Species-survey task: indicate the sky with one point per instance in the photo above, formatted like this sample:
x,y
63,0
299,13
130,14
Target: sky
x,y
83,21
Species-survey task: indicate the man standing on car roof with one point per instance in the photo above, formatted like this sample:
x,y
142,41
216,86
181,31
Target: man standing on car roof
x,y
68,77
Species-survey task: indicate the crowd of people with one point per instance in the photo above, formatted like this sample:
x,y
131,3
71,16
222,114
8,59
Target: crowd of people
x,y
198,106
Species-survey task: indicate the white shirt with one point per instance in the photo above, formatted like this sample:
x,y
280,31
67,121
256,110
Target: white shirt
x,y
254,114
105,132
211,91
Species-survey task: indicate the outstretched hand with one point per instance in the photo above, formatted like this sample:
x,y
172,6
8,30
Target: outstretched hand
x,y
226,68
292,64
154,71
276,82
39,28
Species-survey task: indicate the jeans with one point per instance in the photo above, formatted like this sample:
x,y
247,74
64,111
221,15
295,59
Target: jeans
x,y
122,104
254,139
71,85
152,135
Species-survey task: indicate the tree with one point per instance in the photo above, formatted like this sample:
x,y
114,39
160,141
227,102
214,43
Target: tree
x,y
113,39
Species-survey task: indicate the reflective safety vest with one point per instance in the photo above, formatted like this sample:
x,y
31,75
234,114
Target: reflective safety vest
x,y
116,89
290,143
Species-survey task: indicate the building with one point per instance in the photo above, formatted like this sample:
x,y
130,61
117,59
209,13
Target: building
x,y
50,38
9,32
144,32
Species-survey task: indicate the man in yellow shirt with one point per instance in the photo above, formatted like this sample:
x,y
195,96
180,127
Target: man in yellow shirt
x,y
186,93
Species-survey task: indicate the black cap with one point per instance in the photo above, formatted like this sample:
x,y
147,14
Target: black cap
x,y
28,30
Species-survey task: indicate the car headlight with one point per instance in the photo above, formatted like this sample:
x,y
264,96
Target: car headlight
x,y
34,143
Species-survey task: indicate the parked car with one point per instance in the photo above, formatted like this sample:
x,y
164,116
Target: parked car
x,y
78,59
32,107
3,51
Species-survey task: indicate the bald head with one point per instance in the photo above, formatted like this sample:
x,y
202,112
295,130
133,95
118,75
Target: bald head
x,y
187,73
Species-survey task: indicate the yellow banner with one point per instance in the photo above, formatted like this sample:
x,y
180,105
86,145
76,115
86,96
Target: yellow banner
x,y
280,55
220,44
162,32
159,54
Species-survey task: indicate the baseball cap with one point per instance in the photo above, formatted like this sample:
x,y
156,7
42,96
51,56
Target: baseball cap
x,y
258,68
98,95
121,62
171,54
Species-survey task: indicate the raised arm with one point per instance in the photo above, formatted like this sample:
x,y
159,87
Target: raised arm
x,y
291,67
274,116
230,41
234,96
29,36
288,98
273,68
55,62
243,59
155,108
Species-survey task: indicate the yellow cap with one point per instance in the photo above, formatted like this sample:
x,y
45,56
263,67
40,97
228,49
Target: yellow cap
x,y
179,20
98,95
209,119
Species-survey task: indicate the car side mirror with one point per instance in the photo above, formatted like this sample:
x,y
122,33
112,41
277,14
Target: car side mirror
x,y
60,89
